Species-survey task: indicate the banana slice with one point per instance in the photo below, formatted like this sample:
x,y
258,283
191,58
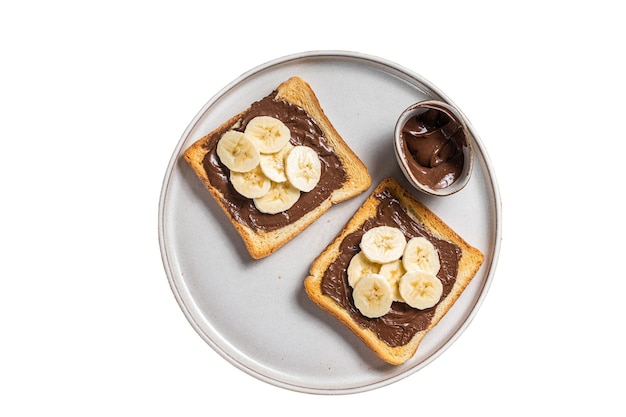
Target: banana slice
x,y
420,289
273,164
392,272
303,168
280,197
421,255
359,265
372,295
251,184
267,133
237,152
383,244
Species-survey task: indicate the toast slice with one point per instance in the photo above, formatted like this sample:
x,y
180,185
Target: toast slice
x,y
395,336
343,174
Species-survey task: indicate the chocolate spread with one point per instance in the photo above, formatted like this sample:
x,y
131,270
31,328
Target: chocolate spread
x,y
304,131
432,142
402,322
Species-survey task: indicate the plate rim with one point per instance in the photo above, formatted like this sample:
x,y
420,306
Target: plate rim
x,y
337,54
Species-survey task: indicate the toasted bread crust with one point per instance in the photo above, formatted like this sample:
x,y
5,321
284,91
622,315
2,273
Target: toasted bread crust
x,y
469,263
261,243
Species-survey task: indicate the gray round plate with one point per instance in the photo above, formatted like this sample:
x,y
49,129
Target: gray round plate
x,y
255,313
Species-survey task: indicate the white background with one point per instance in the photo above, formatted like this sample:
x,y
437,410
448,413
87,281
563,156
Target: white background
x,y
94,98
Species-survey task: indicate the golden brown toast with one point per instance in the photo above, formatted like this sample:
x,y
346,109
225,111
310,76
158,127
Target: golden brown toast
x,y
403,327
354,178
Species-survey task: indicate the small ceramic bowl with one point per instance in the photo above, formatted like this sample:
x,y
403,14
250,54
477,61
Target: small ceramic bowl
x,y
420,175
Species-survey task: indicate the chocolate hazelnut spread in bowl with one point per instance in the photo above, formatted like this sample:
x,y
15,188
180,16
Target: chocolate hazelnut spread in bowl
x,y
433,147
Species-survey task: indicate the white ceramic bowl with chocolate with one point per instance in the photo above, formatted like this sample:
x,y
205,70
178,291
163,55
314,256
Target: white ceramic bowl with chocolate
x,y
433,147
